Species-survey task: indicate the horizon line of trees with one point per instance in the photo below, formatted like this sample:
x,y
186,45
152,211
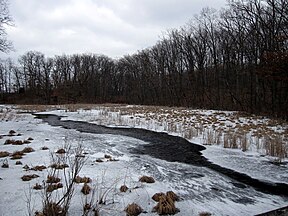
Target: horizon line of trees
x,y
233,59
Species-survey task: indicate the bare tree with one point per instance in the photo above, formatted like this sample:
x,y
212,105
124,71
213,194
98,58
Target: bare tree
x,y
5,20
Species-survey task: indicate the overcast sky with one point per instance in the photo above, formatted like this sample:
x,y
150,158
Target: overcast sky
x,y
110,27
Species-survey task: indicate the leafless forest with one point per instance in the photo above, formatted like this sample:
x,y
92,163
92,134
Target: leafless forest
x,y
233,59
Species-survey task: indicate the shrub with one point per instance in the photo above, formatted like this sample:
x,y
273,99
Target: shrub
x,y
53,209
133,210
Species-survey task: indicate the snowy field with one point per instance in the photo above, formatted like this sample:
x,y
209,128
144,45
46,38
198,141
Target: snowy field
x,y
200,189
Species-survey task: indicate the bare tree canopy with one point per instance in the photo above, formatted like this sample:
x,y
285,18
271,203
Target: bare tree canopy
x,y
5,20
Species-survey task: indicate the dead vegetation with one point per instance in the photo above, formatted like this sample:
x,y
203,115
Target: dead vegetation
x,y
124,188
166,203
29,177
38,168
52,179
61,151
37,187
84,179
147,179
52,187
133,210
4,154
86,189
59,166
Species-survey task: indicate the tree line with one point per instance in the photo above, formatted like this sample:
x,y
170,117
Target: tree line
x,y
232,59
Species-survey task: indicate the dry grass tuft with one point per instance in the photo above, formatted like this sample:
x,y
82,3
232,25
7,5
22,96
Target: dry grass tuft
x,y
124,188
39,168
84,179
28,150
147,179
86,189
133,210
52,179
156,196
29,177
53,209
37,187
61,151
173,196
165,206
30,139
4,154
26,142
51,187
59,166
44,148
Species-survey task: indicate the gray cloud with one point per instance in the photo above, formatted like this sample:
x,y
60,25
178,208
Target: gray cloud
x,y
110,27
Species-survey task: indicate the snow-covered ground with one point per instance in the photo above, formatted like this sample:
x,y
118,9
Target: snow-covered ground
x,y
200,189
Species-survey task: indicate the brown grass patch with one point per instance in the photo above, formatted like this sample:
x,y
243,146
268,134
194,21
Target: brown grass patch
x,y
53,209
172,195
124,188
147,179
84,179
39,168
59,166
165,206
28,150
86,189
37,187
156,196
4,154
52,179
51,187
133,210
61,151
29,177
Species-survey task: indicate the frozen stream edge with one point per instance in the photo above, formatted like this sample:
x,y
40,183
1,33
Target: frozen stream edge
x,y
169,148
